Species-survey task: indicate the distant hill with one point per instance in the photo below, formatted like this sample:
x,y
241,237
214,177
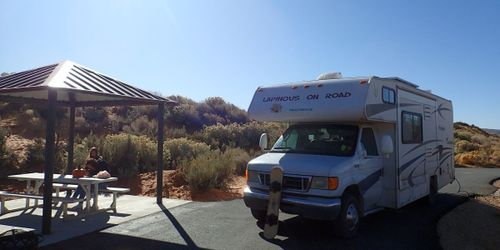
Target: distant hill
x,y
492,131
475,146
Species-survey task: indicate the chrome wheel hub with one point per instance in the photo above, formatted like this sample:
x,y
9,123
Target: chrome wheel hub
x,y
352,217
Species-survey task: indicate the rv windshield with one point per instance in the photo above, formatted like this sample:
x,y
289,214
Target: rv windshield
x,y
327,139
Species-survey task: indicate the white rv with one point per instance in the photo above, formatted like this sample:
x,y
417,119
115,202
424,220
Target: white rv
x,y
353,147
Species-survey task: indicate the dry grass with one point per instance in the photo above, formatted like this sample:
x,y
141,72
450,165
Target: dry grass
x,y
475,147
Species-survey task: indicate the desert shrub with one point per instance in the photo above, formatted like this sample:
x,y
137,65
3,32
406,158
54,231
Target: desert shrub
x,y
36,157
3,140
121,154
465,146
36,153
147,153
245,136
129,154
116,123
8,159
213,169
94,115
92,140
176,132
238,158
80,154
463,135
32,124
183,149
208,170
95,118
142,126
61,159
480,139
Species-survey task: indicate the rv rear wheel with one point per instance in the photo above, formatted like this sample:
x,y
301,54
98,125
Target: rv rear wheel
x,y
260,215
433,189
347,223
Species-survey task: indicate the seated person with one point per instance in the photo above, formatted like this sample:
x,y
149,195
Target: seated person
x,y
94,164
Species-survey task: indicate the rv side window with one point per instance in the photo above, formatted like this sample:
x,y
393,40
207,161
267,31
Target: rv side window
x,y
388,95
368,141
411,127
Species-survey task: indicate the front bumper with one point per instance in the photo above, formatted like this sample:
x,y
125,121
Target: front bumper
x,y
310,207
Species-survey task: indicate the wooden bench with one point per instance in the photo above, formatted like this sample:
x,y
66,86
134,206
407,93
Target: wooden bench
x,y
64,201
115,191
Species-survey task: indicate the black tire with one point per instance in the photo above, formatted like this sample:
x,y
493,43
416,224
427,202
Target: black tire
x,y
259,215
433,190
347,223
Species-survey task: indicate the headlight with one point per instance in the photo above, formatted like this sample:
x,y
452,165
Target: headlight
x,y
329,183
252,176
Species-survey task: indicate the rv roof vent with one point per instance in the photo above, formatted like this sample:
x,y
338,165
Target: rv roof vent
x,y
330,75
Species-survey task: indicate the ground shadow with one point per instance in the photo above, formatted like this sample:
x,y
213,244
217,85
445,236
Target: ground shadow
x,y
185,236
411,227
473,225
109,241
34,221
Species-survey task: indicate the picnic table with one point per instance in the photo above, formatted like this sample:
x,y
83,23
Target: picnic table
x,y
35,180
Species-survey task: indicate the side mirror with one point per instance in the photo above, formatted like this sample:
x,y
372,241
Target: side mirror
x,y
387,145
263,141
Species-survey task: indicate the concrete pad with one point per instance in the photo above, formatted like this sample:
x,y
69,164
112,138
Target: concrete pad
x,y
129,207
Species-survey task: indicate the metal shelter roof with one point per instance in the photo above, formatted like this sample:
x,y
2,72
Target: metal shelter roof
x,y
75,85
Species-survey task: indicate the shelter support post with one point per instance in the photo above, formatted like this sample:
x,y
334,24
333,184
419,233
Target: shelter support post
x,y
159,174
49,162
71,134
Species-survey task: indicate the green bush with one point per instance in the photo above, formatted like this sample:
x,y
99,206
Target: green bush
x,y
127,155
121,154
183,149
147,153
61,159
209,170
238,159
80,154
213,168
463,135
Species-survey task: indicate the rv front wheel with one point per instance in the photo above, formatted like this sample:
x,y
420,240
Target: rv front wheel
x,y
347,223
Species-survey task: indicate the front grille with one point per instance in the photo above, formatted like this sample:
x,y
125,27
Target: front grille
x,y
289,182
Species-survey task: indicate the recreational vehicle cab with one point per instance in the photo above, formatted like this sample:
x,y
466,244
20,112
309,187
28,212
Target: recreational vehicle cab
x,y
353,146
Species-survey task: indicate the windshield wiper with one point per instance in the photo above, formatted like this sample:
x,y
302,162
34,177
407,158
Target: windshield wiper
x,y
282,148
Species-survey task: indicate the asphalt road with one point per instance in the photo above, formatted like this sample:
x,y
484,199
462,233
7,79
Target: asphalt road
x,y
229,225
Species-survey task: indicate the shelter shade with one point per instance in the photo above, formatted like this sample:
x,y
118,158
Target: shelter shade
x,y
72,85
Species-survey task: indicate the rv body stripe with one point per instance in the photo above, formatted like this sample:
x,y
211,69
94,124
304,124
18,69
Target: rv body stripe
x,y
369,181
407,164
446,156
441,108
374,109
410,176
420,145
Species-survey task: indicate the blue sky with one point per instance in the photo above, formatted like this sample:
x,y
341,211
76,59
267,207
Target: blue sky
x,y
228,48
